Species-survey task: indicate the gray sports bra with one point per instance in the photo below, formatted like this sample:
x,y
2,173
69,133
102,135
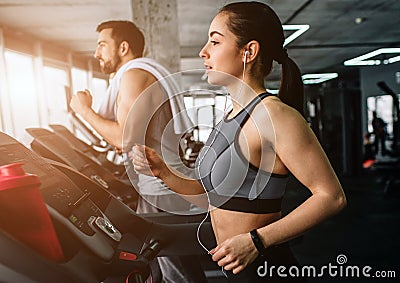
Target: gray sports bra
x,y
231,181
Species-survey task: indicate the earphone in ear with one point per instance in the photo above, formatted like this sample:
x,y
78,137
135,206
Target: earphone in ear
x,y
246,53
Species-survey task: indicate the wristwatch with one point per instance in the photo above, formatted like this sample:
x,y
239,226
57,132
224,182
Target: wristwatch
x,y
257,241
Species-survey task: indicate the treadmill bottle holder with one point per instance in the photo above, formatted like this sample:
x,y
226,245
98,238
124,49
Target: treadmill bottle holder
x,y
24,214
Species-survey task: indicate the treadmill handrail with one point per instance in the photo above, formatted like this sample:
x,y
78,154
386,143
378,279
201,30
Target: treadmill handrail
x,y
88,133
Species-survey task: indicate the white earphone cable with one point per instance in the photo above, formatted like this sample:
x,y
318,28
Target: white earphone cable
x,y
211,143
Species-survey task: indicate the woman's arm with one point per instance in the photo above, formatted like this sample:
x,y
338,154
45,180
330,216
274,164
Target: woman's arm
x,y
300,151
147,161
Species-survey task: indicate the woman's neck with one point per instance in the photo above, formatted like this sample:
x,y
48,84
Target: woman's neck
x,y
242,93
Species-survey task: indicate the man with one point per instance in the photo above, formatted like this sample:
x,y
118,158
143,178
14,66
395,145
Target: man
x,y
145,116
379,128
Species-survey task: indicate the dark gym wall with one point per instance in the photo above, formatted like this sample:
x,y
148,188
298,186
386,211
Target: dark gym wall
x,y
369,76
337,123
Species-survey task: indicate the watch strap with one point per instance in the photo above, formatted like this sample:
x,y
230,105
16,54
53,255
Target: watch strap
x,y
257,241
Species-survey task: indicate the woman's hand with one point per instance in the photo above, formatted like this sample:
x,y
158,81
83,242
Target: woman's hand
x,y
146,161
235,253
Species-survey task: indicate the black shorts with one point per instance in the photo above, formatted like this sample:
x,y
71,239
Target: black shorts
x,y
265,268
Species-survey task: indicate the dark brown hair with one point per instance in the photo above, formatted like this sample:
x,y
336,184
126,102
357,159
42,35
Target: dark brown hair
x,y
125,31
257,21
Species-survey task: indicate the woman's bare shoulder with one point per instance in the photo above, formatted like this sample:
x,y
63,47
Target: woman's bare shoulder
x,y
287,122
280,111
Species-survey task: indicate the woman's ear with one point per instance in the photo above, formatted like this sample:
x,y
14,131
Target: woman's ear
x,y
251,51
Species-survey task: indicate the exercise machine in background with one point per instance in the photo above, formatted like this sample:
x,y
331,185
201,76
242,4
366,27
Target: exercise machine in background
x,y
50,145
99,156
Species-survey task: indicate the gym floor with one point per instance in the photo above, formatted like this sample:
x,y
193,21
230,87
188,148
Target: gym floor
x,y
363,234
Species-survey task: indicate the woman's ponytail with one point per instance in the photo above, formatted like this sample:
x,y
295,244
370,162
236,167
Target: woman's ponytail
x,y
291,90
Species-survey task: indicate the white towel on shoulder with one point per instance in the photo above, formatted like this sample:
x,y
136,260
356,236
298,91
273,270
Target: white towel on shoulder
x,y
181,120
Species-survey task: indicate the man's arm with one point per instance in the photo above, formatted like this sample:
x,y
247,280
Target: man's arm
x,y
133,83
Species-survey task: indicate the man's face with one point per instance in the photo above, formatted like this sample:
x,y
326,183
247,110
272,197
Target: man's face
x,y
107,52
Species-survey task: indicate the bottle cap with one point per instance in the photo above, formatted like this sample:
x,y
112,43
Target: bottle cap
x,y
13,176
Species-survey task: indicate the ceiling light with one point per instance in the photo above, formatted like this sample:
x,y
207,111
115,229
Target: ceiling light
x,y
361,60
299,30
318,78
359,20
391,60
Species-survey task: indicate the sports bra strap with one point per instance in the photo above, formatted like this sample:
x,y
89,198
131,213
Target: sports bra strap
x,y
242,117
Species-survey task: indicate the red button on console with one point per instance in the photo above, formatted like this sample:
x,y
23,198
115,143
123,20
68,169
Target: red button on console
x,y
127,256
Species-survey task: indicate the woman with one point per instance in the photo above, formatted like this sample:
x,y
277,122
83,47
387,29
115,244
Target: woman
x,y
244,40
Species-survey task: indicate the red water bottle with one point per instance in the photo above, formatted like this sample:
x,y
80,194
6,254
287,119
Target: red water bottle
x,y
23,212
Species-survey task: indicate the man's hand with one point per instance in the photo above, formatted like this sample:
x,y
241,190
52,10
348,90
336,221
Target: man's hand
x,y
81,102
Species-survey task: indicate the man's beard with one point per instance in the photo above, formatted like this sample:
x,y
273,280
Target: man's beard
x,y
110,66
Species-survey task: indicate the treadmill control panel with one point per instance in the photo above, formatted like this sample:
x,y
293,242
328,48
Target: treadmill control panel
x,y
58,191
107,227
100,181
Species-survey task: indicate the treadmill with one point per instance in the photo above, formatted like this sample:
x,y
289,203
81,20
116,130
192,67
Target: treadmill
x,y
50,145
102,239
81,146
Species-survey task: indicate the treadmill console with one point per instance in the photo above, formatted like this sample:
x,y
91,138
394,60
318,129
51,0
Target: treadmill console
x,y
67,203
